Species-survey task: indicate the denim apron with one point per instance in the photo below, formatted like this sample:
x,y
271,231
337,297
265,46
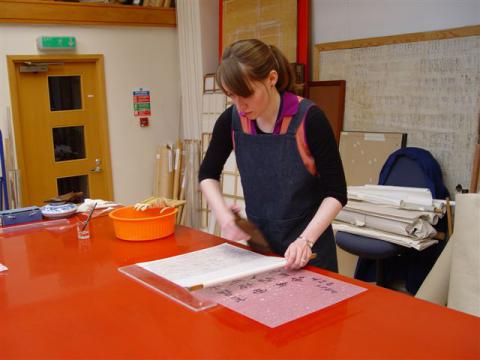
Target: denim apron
x,y
281,196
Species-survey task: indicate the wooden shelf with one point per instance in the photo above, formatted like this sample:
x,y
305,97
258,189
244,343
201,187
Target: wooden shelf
x,y
72,13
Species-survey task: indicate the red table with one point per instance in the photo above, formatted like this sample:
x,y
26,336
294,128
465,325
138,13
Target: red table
x,y
64,299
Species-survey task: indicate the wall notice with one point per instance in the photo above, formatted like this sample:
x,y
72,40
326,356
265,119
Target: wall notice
x,y
141,102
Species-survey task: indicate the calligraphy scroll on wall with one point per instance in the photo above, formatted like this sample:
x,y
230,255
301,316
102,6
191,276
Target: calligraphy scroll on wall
x,y
428,89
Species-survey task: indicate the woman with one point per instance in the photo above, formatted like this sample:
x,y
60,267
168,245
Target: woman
x,y
291,172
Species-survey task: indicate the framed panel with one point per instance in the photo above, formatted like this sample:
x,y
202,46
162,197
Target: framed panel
x,y
209,83
330,97
364,153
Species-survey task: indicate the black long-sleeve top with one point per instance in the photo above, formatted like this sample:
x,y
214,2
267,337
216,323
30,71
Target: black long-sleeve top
x,y
320,140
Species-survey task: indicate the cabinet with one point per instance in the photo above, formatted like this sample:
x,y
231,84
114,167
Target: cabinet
x,y
74,13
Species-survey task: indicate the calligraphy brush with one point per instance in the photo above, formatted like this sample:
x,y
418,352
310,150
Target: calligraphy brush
x,y
257,240
89,216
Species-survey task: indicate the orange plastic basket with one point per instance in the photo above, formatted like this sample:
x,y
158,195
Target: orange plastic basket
x,y
130,224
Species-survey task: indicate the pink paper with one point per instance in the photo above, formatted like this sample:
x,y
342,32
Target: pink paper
x,y
276,297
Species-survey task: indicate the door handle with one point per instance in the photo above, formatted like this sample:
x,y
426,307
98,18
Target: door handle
x,y
97,168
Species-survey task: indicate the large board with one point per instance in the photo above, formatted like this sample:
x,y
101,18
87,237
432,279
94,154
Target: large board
x,y
364,154
428,89
272,21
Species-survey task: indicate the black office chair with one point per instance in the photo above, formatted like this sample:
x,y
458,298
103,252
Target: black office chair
x,y
405,167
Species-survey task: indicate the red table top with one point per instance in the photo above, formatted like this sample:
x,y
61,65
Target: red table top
x,y
61,298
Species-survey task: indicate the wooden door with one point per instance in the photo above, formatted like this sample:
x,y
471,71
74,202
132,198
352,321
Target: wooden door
x,y
60,127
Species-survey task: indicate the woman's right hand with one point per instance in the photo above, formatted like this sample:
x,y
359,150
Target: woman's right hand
x,y
230,230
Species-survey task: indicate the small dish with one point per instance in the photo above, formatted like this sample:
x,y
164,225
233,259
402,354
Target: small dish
x,y
54,211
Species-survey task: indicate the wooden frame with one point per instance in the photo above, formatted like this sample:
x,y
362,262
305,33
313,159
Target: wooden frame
x,y
12,60
387,40
70,13
330,97
206,86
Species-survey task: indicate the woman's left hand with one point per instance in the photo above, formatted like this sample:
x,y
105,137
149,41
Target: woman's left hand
x,y
298,255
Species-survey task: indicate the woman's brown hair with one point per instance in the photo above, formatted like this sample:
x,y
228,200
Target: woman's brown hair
x,y
250,60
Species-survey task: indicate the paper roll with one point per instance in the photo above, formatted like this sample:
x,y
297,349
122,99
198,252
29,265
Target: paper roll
x,y
176,171
165,172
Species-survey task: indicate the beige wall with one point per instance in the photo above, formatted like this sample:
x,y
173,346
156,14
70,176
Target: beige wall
x,y
134,57
337,20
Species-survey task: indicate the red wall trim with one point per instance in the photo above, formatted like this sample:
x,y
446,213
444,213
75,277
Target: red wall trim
x,y
303,32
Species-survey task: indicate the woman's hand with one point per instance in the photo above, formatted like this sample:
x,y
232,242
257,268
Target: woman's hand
x,y
230,230
224,214
298,254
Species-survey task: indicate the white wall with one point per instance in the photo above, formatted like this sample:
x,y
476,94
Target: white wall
x,y
134,57
337,20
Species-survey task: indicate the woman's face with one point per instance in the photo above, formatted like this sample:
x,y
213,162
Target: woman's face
x,y
254,106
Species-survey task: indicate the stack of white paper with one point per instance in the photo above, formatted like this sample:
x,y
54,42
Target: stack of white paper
x,y
401,215
417,224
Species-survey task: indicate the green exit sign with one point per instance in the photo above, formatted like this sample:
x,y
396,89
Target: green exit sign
x,y
56,43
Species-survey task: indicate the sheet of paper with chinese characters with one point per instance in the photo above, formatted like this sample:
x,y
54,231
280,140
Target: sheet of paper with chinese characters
x,y
276,297
212,265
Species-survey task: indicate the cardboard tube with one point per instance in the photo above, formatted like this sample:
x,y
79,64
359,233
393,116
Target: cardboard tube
x,y
165,173
181,196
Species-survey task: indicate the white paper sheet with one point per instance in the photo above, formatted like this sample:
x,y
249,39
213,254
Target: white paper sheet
x,y
3,268
212,266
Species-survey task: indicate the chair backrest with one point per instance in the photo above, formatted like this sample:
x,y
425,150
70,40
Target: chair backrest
x,y
406,172
414,167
